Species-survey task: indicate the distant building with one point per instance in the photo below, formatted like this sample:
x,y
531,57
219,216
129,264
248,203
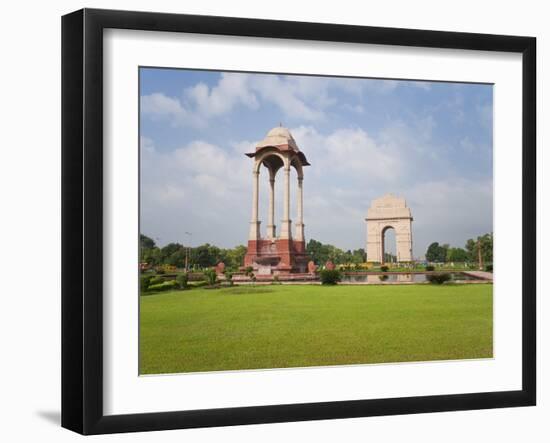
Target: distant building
x,y
385,213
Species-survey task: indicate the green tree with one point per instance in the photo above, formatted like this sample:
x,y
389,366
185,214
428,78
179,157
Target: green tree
x,y
146,242
457,255
471,249
389,258
235,257
169,249
151,256
359,256
321,253
205,256
148,251
317,252
177,258
436,253
485,243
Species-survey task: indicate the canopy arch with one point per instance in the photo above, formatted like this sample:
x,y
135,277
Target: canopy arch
x,y
284,252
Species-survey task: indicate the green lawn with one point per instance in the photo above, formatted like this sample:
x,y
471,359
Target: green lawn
x,y
293,326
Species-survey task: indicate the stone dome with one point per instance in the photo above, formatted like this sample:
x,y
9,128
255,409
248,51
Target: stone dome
x,y
279,137
280,131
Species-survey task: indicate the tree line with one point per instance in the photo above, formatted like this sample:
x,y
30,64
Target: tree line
x,y
207,255
321,253
481,247
178,255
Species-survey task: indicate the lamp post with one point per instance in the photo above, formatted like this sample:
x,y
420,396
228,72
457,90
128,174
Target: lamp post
x,y
188,252
479,256
158,239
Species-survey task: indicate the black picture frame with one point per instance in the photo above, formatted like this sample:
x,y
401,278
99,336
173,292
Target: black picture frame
x,y
82,218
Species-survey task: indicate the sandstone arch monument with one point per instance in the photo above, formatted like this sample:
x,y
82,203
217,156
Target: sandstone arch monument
x,y
272,253
388,212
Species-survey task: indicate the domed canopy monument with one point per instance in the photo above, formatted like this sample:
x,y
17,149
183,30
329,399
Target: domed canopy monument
x,y
284,253
388,212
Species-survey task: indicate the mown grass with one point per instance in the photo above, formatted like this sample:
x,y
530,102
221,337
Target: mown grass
x,y
295,326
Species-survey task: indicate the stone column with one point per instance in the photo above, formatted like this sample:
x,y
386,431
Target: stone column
x,y
403,237
300,212
254,233
285,223
374,241
271,209
382,247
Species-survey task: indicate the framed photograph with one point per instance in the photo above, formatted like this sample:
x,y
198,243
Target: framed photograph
x,y
269,221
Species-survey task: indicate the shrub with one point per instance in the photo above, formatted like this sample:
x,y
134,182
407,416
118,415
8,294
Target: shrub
x,y
276,280
182,280
229,277
430,268
211,276
439,278
161,271
156,281
330,277
489,268
144,282
248,270
165,286
384,268
383,277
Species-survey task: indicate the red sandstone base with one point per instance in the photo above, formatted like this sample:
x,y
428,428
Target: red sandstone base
x,y
279,256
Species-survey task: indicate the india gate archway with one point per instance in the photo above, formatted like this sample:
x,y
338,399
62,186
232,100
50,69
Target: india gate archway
x,y
283,253
388,212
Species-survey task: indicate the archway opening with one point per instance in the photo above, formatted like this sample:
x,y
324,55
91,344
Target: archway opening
x,y
270,167
389,245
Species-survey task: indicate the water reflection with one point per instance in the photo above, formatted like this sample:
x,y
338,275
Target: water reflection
x,y
399,278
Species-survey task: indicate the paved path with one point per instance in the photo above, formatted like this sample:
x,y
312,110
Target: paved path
x,y
480,274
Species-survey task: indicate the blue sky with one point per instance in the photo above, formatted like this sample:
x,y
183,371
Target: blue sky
x,y
429,142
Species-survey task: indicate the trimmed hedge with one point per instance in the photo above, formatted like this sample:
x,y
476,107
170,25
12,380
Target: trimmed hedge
x,y
438,279
384,268
430,268
330,277
166,286
156,280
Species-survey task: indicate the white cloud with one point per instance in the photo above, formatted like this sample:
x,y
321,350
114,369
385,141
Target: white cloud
x,y
158,105
197,188
288,94
231,90
303,98
350,152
